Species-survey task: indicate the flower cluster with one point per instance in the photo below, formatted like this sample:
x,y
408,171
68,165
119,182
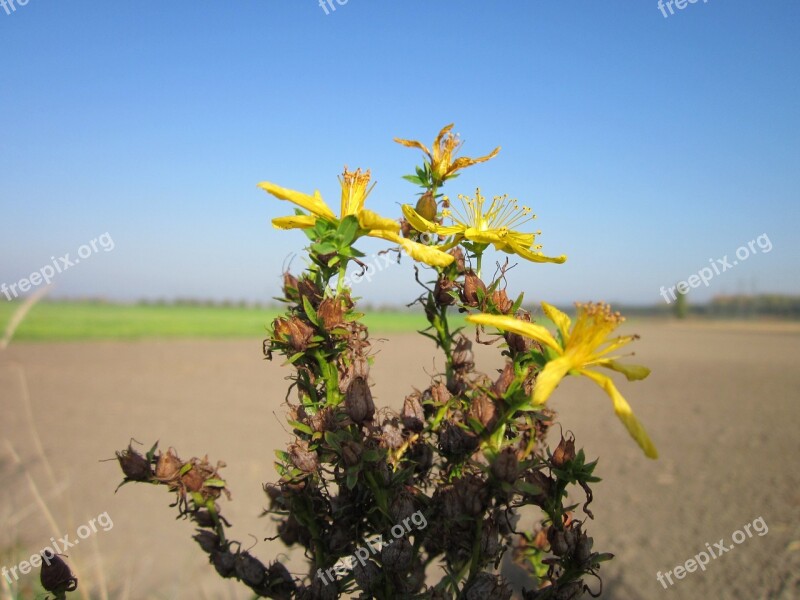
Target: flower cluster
x,y
469,452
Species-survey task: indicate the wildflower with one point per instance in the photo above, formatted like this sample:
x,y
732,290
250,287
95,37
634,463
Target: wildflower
x,y
355,189
581,346
442,161
494,225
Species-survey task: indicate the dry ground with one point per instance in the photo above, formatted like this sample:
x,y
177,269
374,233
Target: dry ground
x,y
722,406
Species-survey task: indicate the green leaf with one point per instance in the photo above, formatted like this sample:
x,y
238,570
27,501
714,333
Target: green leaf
x,y
413,179
348,230
301,427
310,312
185,469
215,483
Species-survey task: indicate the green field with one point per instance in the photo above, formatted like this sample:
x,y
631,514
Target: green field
x,y
63,321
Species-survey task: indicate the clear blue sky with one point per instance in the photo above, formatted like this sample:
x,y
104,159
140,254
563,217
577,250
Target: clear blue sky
x,y
645,144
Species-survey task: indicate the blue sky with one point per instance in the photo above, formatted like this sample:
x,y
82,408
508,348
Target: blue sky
x,y
646,145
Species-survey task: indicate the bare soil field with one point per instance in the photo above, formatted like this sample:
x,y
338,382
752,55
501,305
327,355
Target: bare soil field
x,y
722,405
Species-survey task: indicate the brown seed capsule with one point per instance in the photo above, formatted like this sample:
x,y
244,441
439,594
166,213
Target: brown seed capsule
x,y
208,540
168,466
441,292
484,410
405,228
486,586
290,285
583,549
426,206
402,507
440,394
454,441
331,313
280,581
544,483
558,542
501,301
473,494
458,254
358,401
224,562
506,466
564,452
294,332
472,283
413,415
308,289
135,466
368,576
463,358
351,453
250,570
396,556
193,480
505,379
519,344
55,575
302,458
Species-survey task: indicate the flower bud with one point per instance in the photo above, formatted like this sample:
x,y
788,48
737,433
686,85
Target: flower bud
x,y
426,206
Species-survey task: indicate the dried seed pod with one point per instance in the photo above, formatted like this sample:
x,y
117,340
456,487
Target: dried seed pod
x,y
290,285
486,586
358,401
294,332
413,415
193,480
168,466
458,254
391,436
208,541
396,556
558,542
506,378
303,458
309,290
519,344
440,394
564,452
279,580
583,549
368,576
421,454
289,531
331,313
250,570
351,453
544,483
463,358
402,507
502,302
442,289
55,575
484,410
454,441
473,494
224,562
506,466
472,283
135,466
490,540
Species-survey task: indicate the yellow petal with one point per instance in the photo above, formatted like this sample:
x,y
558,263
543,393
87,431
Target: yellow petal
x,y
561,320
548,378
314,204
514,325
624,412
370,220
295,222
417,221
538,257
487,236
413,144
631,372
430,255
464,161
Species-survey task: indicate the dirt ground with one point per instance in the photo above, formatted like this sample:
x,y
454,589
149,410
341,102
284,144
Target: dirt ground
x,y
722,405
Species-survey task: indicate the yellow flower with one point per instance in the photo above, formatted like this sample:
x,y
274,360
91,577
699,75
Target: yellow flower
x,y
443,163
587,344
355,189
494,225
